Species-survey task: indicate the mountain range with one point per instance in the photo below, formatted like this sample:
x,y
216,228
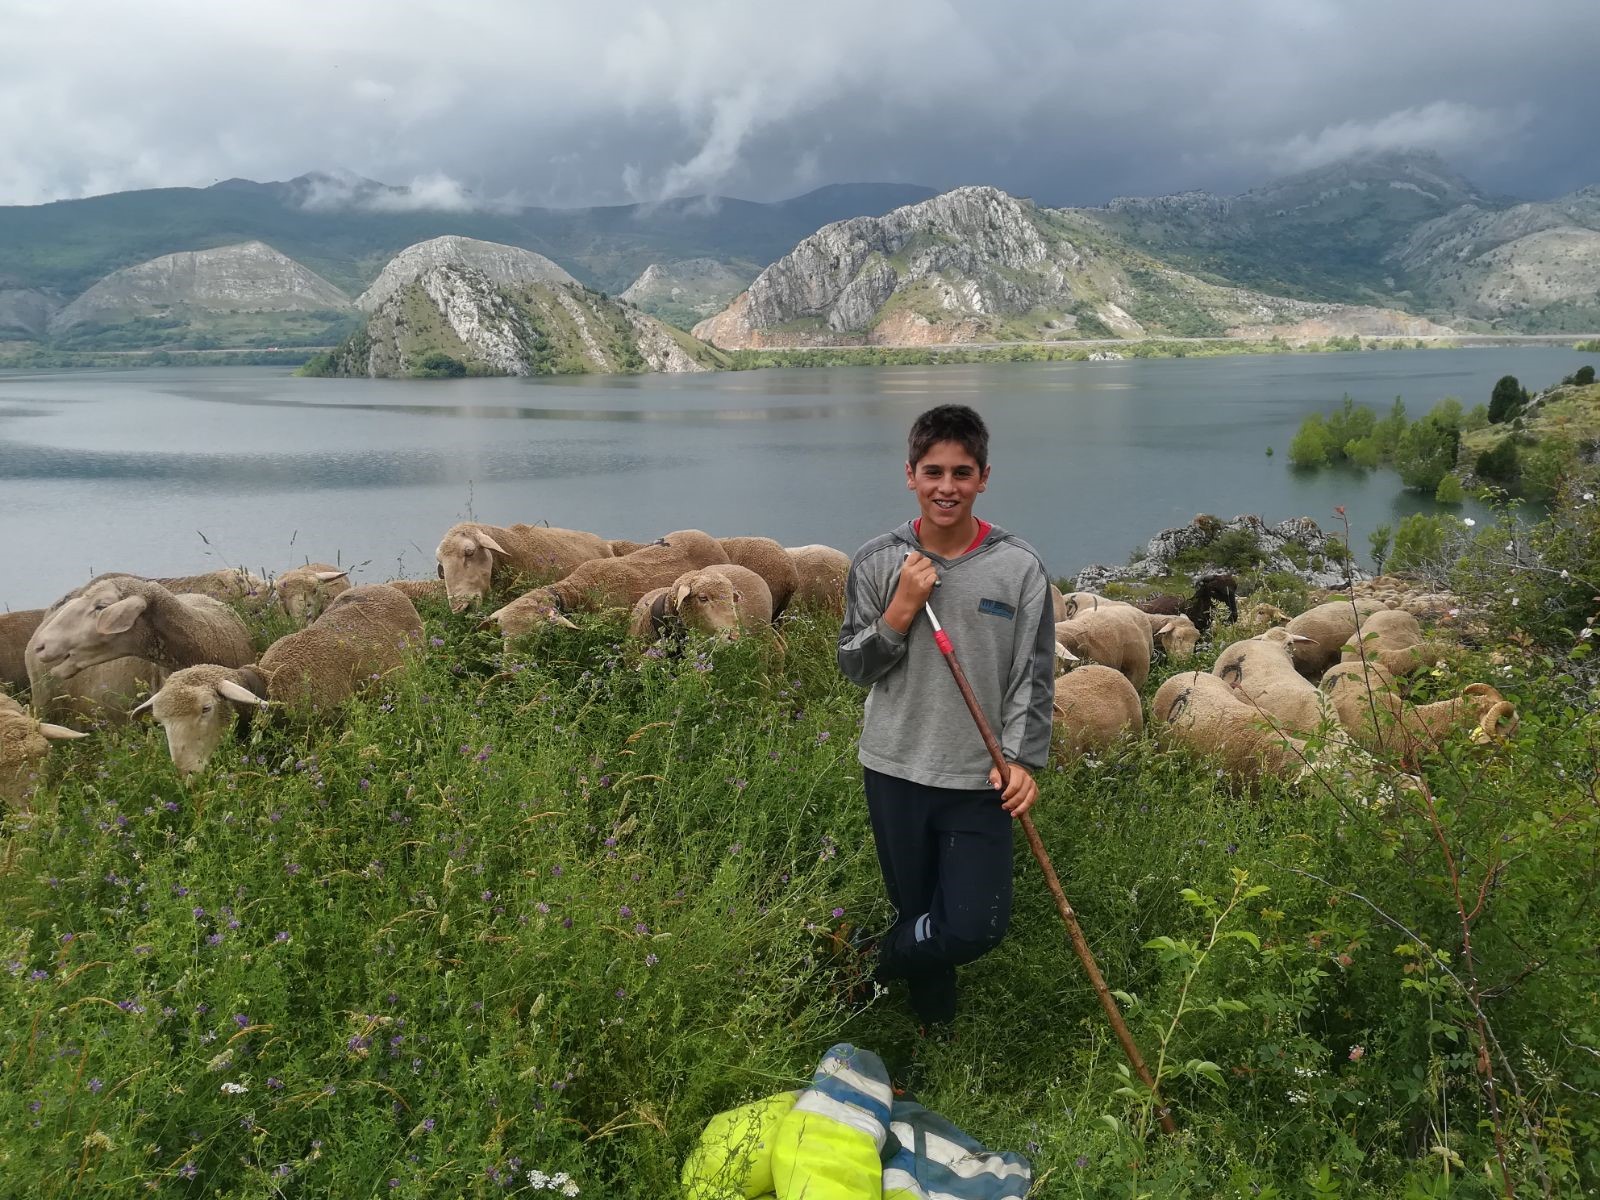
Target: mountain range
x,y
1390,243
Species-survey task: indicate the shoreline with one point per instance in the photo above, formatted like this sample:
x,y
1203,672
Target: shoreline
x,y
1086,350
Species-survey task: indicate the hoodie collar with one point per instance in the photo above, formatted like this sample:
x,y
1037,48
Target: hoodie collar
x,y
908,534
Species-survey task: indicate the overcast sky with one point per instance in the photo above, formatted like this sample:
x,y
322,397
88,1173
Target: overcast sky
x,y
604,101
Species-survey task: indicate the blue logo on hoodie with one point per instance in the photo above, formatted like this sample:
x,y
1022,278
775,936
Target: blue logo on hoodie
x,y
997,608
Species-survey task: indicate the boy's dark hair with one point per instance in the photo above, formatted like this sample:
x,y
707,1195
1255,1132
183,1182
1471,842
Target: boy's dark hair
x,y
949,423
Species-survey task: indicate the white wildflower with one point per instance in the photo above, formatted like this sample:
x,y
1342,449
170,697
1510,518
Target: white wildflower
x,y
1564,574
1516,600
234,1089
1587,633
1468,522
1588,495
569,1188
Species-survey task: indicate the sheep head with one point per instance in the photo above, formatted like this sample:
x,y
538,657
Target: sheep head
x,y
92,627
24,742
1178,637
196,707
305,591
527,613
1497,716
466,560
708,602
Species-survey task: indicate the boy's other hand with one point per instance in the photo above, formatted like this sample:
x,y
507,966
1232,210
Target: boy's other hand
x,y
917,581
1020,791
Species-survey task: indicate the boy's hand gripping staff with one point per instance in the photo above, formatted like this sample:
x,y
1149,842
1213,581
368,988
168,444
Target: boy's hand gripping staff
x,y
1068,917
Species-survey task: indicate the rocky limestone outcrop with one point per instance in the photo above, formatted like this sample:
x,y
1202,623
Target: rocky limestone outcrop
x,y
494,328
497,262
978,265
248,277
1315,556
698,287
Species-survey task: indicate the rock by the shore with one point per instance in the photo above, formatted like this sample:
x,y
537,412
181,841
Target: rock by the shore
x,y
1297,547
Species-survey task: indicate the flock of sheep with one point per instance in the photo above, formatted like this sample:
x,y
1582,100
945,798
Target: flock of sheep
x,y
1321,690
179,649
182,644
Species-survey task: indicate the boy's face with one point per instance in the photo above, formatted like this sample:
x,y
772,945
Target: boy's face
x,y
946,480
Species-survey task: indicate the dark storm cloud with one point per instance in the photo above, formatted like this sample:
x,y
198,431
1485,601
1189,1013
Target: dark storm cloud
x,y
500,101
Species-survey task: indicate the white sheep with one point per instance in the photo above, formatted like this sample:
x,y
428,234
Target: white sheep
x,y
24,742
197,706
1371,710
768,560
1114,636
1199,712
1174,634
366,633
230,584
1263,672
1325,629
304,592
725,600
121,616
475,558
1394,638
1058,604
1095,706
822,571
420,591
610,583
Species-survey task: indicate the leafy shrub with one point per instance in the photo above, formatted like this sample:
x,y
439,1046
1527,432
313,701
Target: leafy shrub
x,y
1450,491
1582,377
1498,462
1309,447
436,364
1421,541
1506,400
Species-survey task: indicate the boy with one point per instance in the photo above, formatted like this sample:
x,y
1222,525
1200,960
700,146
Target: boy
x,y
941,815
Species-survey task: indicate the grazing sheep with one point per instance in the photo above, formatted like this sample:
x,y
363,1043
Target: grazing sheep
x,y
722,601
1202,713
611,582
768,560
230,584
24,742
364,634
1259,618
1392,637
1176,636
822,571
1370,709
196,707
1326,628
305,591
1094,707
653,616
15,630
1216,588
1263,672
120,616
1112,636
420,591
475,558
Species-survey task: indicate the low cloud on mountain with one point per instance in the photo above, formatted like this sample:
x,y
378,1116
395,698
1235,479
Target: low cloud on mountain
x,y
618,100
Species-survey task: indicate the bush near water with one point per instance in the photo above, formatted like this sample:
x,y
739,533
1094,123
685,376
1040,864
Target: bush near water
x,y
549,909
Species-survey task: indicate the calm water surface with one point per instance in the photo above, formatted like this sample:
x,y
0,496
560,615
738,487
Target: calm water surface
x,y
177,471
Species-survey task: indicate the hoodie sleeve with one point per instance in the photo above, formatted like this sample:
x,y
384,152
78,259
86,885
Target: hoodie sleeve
x,y
1030,688
868,648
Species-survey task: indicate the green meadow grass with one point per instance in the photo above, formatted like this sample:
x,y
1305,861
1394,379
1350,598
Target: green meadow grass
x,y
550,909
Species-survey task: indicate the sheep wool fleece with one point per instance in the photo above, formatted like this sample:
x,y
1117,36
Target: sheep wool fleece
x,y
995,602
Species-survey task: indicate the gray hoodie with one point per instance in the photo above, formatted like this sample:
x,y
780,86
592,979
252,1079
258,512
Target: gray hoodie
x,y
995,603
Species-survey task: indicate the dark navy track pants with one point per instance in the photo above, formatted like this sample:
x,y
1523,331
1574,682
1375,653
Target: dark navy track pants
x,y
945,854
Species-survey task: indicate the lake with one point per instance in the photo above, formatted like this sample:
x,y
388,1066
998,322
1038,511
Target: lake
x,y
168,472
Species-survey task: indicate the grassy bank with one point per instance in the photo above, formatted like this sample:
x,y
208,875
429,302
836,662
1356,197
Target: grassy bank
x,y
550,911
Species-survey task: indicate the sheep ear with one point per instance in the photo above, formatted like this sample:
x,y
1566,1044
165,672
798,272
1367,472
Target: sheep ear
x,y
1064,654
485,540
59,733
1167,628
229,690
330,576
440,569
143,707
556,618
738,596
1298,638
682,594
120,617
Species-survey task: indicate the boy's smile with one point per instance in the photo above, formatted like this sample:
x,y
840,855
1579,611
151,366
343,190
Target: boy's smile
x,y
947,481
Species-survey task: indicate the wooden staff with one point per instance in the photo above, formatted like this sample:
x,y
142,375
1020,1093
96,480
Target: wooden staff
x,y
1068,917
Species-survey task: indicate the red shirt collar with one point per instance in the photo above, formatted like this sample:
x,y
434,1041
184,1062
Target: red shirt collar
x,y
983,531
